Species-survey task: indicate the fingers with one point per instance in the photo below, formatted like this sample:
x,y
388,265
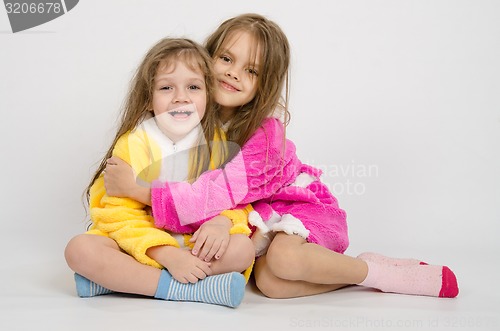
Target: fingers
x,y
221,250
216,251
113,160
110,162
205,269
182,279
195,236
198,272
210,241
209,249
200,240
191,278
107,168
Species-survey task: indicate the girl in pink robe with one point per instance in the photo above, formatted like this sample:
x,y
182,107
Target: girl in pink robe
x,y
301,232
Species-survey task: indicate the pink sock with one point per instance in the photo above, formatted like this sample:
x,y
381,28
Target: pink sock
x,y
429,280
381,259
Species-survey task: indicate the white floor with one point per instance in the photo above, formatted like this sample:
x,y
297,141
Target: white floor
x,y
409,88
41,296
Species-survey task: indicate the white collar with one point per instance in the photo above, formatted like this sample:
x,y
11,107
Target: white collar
x,y
166,145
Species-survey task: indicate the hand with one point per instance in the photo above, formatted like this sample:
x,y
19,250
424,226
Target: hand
x,y
119,181
181,264
212,238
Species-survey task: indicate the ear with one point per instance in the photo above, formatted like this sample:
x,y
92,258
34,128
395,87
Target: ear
x,y
149,104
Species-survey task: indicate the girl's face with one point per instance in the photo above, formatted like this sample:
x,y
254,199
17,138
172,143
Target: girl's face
x,y
236,70
179,99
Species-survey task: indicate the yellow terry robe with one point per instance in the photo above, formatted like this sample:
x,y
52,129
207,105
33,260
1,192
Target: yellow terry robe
x,y
127,221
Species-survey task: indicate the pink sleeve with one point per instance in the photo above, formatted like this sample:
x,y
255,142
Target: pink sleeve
x,y
255,173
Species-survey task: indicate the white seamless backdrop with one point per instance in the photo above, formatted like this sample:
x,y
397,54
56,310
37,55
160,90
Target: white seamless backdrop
x,y
397,101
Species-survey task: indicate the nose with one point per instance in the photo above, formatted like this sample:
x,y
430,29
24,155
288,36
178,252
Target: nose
x,y
180,96
231,73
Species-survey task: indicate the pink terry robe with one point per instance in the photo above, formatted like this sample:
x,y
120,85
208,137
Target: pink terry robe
x,y
262,173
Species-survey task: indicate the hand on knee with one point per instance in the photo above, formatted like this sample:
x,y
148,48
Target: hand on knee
x,y
239,255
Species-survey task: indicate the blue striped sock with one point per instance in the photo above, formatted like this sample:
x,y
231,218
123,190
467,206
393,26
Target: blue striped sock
x,y
86,288
225,289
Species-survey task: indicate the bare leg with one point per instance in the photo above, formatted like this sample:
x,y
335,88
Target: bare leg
x,y
305,269
100,259
279,288
312,269
291,257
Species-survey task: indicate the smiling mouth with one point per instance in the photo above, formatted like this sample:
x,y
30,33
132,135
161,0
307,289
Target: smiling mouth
x,y
228,87
180,114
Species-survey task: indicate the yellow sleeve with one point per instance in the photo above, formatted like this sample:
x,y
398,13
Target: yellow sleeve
x,y
126,220
239,217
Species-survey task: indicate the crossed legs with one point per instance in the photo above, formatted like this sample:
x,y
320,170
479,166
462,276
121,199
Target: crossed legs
x,y
101,260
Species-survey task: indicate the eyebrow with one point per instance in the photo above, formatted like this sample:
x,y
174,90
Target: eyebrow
x,y
161,78
227,51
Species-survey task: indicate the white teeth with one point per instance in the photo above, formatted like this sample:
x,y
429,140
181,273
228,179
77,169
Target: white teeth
x,y
176,112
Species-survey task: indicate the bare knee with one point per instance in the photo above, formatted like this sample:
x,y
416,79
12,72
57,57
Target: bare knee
x,y
238,257
284,259
82,250
240,253
72,252
267,283
268,287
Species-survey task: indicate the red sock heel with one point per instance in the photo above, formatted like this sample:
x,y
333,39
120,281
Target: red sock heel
x,y
449,289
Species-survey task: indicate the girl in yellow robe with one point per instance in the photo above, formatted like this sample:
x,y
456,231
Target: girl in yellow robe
x,y
123,251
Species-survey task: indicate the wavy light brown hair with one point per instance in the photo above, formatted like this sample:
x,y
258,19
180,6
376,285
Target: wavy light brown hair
x,y
140,97
273,75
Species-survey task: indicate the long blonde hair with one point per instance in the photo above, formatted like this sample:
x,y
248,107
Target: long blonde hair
x,y
140,97
273,75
